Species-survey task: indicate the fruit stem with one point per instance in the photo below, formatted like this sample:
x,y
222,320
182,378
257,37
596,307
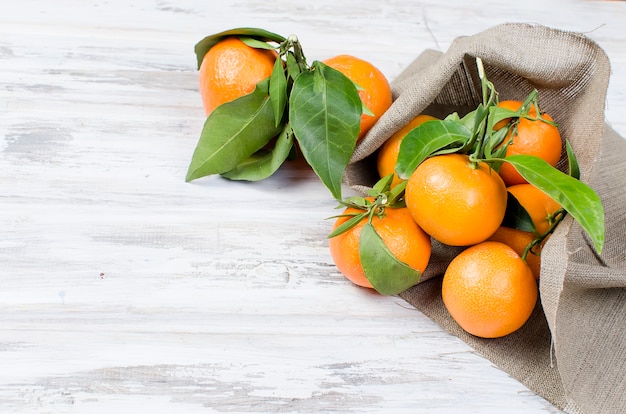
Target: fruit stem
x,y
292,41
556,218
482,131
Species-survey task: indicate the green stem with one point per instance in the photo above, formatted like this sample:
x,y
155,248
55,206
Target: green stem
x,y
557,217
298,52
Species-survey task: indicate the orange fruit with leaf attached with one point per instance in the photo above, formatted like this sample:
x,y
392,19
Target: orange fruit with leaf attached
x,y
456,201
388,152
402,236
372,85
489,290
540,206
231,69
518,240
530,137
512,106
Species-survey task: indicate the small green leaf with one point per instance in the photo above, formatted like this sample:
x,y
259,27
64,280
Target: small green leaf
x,y
576,197
255,43
263,163
396,195
516,216
233,132
498,113
496,138
325,114
382,185
293,68
356,202
480,116
426,139
572,161
467,120
203,46
278,91
348,224
387,274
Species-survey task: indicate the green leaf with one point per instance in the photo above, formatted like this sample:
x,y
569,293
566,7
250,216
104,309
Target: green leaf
x,y
263,163
576,197
396,195
348,224
572,161
496,138
293,68
325,114
278,91
233,132
203,46
516,216
256,44
387,274
425,140
498,113
381,186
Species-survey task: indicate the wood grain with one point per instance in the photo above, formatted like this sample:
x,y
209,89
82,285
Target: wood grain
x,y
125,289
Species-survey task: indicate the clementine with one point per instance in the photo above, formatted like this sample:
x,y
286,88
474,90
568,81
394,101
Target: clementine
x,y
402,236
489,290
231,69
530,137
456,201
518,240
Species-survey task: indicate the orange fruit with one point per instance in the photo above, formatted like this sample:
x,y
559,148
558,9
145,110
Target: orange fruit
x,y
231,69
388,152
374,88
518,240
489,290
457,202
538,204
406,241
530,137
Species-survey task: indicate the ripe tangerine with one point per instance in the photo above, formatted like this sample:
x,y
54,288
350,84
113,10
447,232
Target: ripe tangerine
x,y
458,202
402,236
489,290
231,69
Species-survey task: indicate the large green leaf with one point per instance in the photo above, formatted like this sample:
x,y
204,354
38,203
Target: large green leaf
x,y
203,46
263,163
576,197
233,132
427,139
387,274
325,114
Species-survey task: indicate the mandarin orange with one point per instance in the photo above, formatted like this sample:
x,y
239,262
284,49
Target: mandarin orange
x,y
489,290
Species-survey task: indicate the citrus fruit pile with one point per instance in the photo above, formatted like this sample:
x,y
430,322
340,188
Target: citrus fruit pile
x,y
266,104
486,181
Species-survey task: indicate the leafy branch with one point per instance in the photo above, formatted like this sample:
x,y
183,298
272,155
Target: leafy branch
x,y
314,105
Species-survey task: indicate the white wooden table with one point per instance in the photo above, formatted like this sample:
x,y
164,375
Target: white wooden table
x,y
124,289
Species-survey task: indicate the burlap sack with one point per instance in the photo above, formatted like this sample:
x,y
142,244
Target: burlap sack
x,y
573,349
